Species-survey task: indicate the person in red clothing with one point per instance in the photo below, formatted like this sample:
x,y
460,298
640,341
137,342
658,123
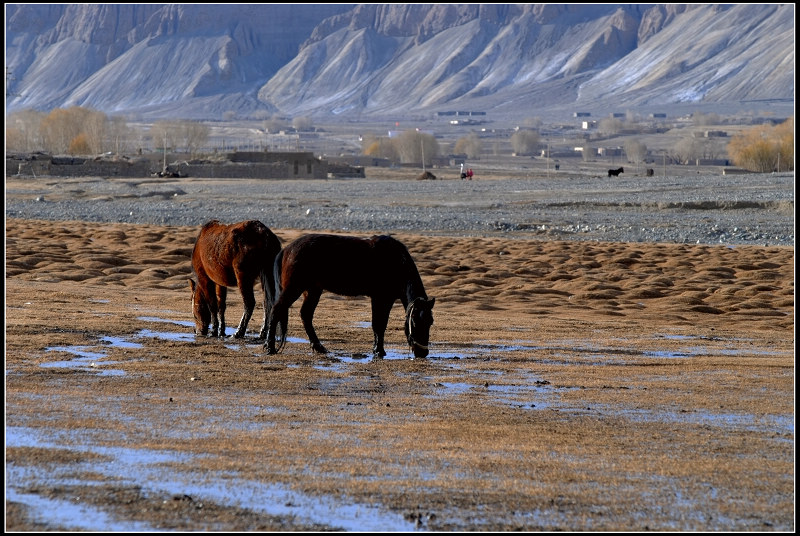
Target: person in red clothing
x,y
469,174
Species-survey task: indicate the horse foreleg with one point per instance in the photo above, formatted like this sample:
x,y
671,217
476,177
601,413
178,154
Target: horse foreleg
x,y
219,317
380,318
212,295
249,305
307,315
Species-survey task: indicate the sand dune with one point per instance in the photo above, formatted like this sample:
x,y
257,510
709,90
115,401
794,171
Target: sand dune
x,y
671,283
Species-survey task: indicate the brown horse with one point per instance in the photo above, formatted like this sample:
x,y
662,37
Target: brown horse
x,y
231,256
379,267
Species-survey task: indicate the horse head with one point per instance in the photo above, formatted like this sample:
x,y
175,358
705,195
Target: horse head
x,y
202,315
419,318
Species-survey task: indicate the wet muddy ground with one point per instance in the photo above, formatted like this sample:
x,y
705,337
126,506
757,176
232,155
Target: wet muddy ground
x,y
570,386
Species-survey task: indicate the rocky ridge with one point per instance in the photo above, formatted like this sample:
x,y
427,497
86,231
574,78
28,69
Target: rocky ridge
x,y
197,61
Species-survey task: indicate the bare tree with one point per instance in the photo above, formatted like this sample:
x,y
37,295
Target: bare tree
x,y
93,125
119,134
470,145
636,151
414,146
194,135
79,145
302,124
764,148
59,128
587,152
701,120
379,146
609,126
687,150
163,134
23,131
275,124
525,142
632,117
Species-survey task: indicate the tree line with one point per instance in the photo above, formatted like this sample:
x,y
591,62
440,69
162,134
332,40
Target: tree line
x,y
83,131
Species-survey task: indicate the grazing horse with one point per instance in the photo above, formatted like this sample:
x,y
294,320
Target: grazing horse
x,y
231,256
615,172
650,172
379,267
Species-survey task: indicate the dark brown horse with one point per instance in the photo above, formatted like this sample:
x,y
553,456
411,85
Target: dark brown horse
x,y
615,172
379,267
232,256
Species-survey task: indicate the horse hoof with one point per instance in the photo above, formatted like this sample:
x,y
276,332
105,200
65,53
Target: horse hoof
x,y
319,348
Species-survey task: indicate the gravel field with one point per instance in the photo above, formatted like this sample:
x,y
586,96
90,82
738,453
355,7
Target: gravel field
x,y
702,209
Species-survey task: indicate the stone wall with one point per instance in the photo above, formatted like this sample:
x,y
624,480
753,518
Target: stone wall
x,y
300,165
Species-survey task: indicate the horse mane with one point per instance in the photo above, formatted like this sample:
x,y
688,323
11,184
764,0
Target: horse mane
x,y
414,286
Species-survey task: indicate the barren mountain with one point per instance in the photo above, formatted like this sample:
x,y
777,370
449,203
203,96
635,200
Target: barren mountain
x,y
373,60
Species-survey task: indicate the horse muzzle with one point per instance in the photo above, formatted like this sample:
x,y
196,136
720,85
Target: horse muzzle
x,y
420,351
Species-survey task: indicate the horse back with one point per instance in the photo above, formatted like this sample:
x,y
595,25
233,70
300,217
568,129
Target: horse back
x,y
345,265
221,250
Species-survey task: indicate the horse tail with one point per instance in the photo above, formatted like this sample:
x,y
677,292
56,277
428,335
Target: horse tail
x,y
283,321
267,274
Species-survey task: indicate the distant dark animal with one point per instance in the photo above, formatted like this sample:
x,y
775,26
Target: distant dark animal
x,y
650,172
615,172
232,256
379,267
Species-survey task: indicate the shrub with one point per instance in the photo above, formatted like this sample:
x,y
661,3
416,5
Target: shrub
x,y
764,148
79,144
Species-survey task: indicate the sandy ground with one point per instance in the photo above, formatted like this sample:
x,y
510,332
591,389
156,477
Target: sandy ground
x,y
571,386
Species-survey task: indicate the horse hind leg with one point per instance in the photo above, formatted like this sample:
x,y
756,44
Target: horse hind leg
x,y
267,290
279,315
307,315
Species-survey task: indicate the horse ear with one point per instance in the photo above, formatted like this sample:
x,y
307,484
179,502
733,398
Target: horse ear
x,y
431,301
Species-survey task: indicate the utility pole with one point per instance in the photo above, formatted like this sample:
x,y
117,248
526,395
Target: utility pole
x,y
547,160
422,150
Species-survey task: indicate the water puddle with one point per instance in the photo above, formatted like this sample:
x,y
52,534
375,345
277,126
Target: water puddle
x,y
78,517
536,395
166,335
149,470
779,425
186,323
89,359
84,360
519,389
